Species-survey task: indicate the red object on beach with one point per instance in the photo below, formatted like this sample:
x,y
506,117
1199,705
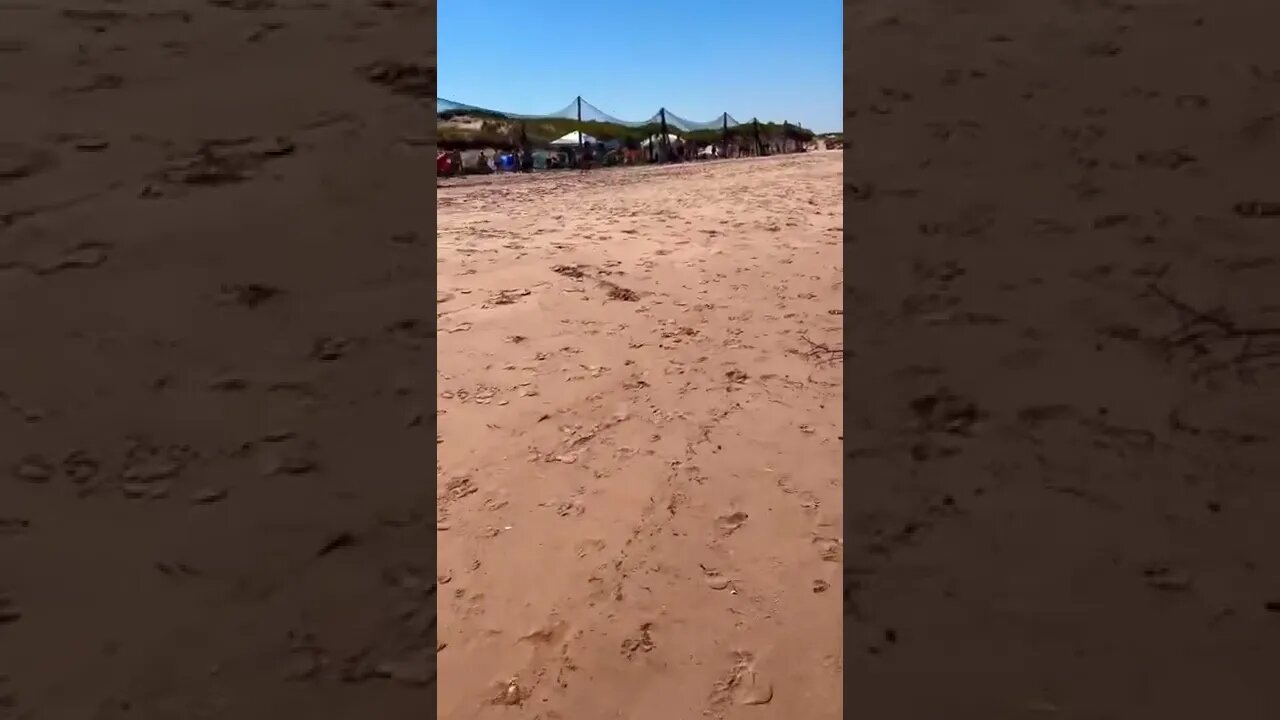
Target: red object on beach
x,y
444,164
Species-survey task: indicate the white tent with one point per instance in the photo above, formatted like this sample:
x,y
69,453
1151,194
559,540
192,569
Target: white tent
x,y
572,138
671,140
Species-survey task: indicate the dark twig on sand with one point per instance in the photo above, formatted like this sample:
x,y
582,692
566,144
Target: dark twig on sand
x,y
822,351
1216,318
1200,327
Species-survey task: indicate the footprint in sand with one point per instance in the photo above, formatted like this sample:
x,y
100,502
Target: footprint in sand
x,y
1255,209
730,523
743,684
10,612
13,525
250,295
83,256
642,642
80,467
18,162
34,469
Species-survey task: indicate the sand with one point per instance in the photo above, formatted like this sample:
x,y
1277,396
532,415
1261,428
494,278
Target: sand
x,y
216,382
1061,390
217,391
214,501
640,438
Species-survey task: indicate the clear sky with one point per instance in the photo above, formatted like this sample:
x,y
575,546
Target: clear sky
x,y
751,58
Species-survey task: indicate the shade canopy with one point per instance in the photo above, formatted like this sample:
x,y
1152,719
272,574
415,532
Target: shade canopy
x,y
574,138
671,140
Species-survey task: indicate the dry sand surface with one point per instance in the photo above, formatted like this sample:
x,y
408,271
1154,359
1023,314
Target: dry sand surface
x,y
1064,295
216,499
639,410
216,286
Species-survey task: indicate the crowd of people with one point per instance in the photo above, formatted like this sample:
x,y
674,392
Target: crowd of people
x,y
590,154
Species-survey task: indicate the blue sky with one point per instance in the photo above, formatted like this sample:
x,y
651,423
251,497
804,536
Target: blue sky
x,y
752,58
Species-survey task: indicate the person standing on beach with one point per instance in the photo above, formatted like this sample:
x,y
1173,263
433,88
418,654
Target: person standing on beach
x,y
587,155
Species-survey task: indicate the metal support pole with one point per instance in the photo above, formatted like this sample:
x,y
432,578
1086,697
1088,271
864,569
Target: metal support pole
x,y
662,141
724,135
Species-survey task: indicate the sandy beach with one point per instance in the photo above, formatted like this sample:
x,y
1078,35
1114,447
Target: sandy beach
x,y
639,452
215,236
217,387
1062,390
